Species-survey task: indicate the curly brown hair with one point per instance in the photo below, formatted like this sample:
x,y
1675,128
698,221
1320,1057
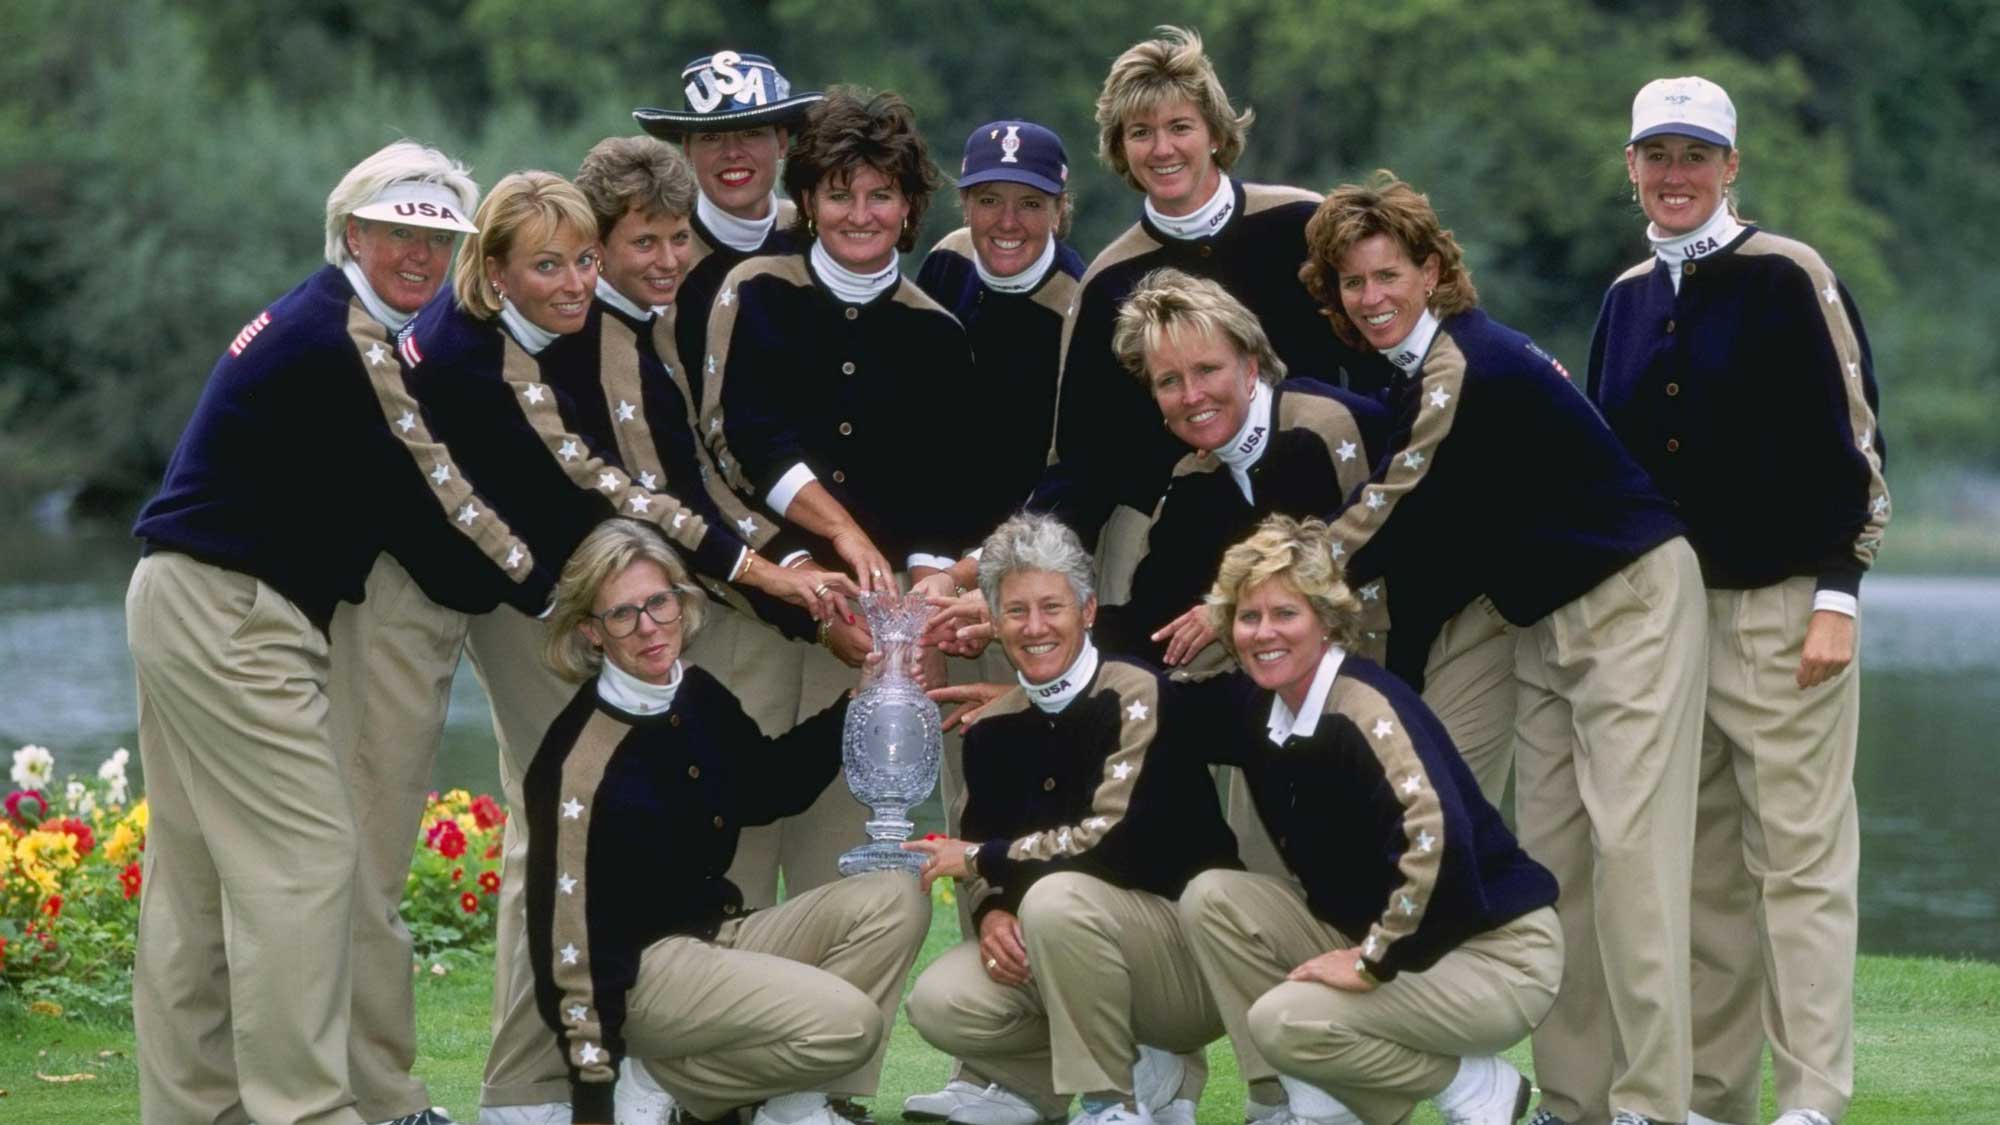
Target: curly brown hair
x,y
1384,205
851,128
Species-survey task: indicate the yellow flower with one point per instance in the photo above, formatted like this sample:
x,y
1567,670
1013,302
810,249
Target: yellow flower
x,y
456,799
123,842
140,815
43,857
6,848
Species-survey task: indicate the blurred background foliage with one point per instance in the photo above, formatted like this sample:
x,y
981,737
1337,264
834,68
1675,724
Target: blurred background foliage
x,y
164,166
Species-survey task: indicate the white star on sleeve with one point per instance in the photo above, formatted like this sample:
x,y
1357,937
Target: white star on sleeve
x,y
533,393
1384,728
1371,591
722,463
680,518
513,556
608,481
1338,551
1439,397
1853,370
1426,841
1097,822
1137,711
1375,500
1413,460
1832,293
572,809
567,884
1865,435
715,423
376,354
711,365
589,1054
467,514
1406,904
639,502
1062,840
1346,451
1369,947
626,410
649,482
728,298
569,451
1413,784
569,953
440,473
748,525
577,1012
408,421
1881,505
1030,840
1121,771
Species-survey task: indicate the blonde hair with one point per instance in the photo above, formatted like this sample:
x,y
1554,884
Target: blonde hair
x,y
1298,552
1169,302
606,552
524,207
621,173
1384,205
396,162
1167,68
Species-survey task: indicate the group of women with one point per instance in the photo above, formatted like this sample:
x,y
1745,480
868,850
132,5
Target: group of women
x,y
1357,545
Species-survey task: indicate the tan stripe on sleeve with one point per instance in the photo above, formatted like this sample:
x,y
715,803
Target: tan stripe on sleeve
x,y
1423,815
569,938
1138,694
715,365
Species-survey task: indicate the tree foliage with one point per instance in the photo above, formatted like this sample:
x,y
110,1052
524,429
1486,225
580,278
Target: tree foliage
x,y
163,167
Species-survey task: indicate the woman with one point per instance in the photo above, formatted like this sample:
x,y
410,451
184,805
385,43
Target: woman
x,y
1167,127
1419,941
1733,365
1087,809
290,480
1495,452
652,757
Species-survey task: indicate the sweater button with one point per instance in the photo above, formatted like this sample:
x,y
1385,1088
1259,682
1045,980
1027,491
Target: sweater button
x,y
1673,445
847,368
839,476
718,822
674,719
729,908
1670,328
1688,269
1673,389
1048,785
852,312
1207,250
846,428
1281,842
694,771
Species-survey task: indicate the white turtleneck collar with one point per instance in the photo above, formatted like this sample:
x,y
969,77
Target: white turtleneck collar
x,y
1058,693
609,294
635,696
1021,282
1409,354
1204,220
531,336
850,287
378,308
1283,724
742,235
1251,439
1676,251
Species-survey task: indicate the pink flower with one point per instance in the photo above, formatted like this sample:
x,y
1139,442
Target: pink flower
x,y
20,797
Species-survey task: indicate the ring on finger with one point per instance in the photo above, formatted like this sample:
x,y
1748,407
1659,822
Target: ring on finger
x,y
819,591
992,964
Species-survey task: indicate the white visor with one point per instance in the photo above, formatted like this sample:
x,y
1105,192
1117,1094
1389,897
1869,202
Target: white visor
x,y
417,203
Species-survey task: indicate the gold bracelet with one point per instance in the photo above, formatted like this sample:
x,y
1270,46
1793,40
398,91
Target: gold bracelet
x,y
1361,970
825,628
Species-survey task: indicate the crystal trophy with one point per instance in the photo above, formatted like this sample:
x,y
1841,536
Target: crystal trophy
x,y
893,740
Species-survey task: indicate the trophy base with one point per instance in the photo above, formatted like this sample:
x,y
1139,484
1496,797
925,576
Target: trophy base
x,y
879,855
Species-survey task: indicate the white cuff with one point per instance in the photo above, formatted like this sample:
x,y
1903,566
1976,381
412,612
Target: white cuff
x,y
787,489
794,558
935,562
975,553
1837,601
742,561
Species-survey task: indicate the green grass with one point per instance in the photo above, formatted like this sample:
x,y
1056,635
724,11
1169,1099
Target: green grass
x,y
1928,1046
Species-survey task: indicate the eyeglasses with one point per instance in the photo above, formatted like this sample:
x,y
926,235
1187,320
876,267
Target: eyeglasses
x,y
620,621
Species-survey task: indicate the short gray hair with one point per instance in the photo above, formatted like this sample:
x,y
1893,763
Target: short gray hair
x,y
396,162
1030,541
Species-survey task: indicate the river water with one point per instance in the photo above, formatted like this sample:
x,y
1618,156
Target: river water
x,y
1928,778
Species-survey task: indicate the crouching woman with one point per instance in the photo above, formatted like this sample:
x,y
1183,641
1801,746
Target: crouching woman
x,y
1419,940
641,945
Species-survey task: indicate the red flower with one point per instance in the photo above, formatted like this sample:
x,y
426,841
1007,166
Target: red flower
x,y
3,951
129,879
470,902
21,797
490,881
448,838
494,851
457,873
52,907
78,831
487,813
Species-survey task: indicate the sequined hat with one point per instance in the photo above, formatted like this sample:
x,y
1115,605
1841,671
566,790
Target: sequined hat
x,y
728,90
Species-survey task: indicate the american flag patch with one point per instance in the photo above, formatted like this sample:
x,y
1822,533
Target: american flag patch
x,y
407,346
249,333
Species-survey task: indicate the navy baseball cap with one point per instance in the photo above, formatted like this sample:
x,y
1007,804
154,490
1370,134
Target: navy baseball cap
x,y
1020,152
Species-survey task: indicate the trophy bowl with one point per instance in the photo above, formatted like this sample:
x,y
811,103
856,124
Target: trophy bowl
x,y
893,740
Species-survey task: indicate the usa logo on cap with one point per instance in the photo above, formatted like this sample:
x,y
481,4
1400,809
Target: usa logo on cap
x,y
732,89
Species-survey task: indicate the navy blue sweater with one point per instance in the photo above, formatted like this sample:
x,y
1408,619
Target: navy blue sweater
x,y
711,262
1750,398
1377,815
1016,341
1109,446
306,458
1317,451
1112,786
1498,478
610,795
854,392
517,425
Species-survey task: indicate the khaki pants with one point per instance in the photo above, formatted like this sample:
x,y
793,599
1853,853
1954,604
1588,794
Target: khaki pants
x,y
798,997
1608,757
240,994
1469,685
779,683
523,1064
1786,757
393,657
1110,971
1379,1052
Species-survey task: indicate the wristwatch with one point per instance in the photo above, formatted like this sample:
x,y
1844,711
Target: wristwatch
x,y
972,858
